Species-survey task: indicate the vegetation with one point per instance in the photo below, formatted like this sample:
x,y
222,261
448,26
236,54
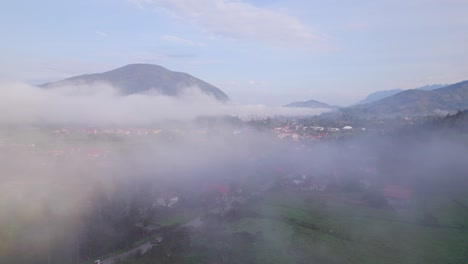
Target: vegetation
x,y
291,227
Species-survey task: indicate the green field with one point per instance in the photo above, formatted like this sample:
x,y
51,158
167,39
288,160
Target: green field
x,y
295,227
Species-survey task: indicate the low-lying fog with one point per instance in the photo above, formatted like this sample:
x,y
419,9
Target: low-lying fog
x,y
59,187
100,104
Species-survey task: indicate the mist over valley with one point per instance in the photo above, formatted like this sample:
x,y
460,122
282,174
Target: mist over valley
x,y
233,132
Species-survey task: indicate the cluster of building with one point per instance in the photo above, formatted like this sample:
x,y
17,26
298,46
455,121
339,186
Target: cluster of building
x,y
395,195
94,153
109,131
301,132
303,182
50,152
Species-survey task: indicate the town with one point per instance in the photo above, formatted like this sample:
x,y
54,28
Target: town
x,y
139,204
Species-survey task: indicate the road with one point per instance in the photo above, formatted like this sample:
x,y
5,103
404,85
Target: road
x,y
195,223
143,249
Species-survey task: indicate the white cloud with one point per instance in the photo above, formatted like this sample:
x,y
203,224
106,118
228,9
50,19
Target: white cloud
x,y
186,42
100,104
241,21
102,34
148,57
255,83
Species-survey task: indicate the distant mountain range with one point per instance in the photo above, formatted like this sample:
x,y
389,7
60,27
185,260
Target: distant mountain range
x,y
310,104
386,93
417,102
139,78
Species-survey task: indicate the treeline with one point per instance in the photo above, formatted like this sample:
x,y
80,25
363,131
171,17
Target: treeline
x,y
458,121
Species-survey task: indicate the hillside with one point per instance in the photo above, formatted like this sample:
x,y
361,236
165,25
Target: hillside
x,y
378,96
432,87
300,227
138,78
417,102
310,104
386,93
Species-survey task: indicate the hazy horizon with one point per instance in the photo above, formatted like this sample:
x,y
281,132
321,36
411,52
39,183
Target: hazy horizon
x,y
143,165
258,52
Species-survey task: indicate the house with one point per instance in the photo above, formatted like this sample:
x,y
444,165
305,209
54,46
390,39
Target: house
x,y
166,201
56,152
397,196
221,189
317,128
96,153
303,182
397,192
316,185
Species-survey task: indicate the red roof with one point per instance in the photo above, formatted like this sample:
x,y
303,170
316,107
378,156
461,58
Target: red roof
x,y
220,188
96,151
397,192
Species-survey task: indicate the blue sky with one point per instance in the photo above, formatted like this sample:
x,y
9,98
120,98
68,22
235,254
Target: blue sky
x,y
264,51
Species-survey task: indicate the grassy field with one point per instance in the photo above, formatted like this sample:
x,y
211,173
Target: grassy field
x,y
303,228
296,227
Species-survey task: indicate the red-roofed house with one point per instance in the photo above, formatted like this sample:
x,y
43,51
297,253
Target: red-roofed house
x,y
397,196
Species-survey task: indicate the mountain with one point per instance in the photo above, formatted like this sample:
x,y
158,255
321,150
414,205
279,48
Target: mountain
x,y
417,102
310,104
431,87
386,93
138,78
378,95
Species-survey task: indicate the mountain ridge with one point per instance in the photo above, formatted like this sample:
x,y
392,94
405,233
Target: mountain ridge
x,y
417,102
310,104
138,78
375,96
